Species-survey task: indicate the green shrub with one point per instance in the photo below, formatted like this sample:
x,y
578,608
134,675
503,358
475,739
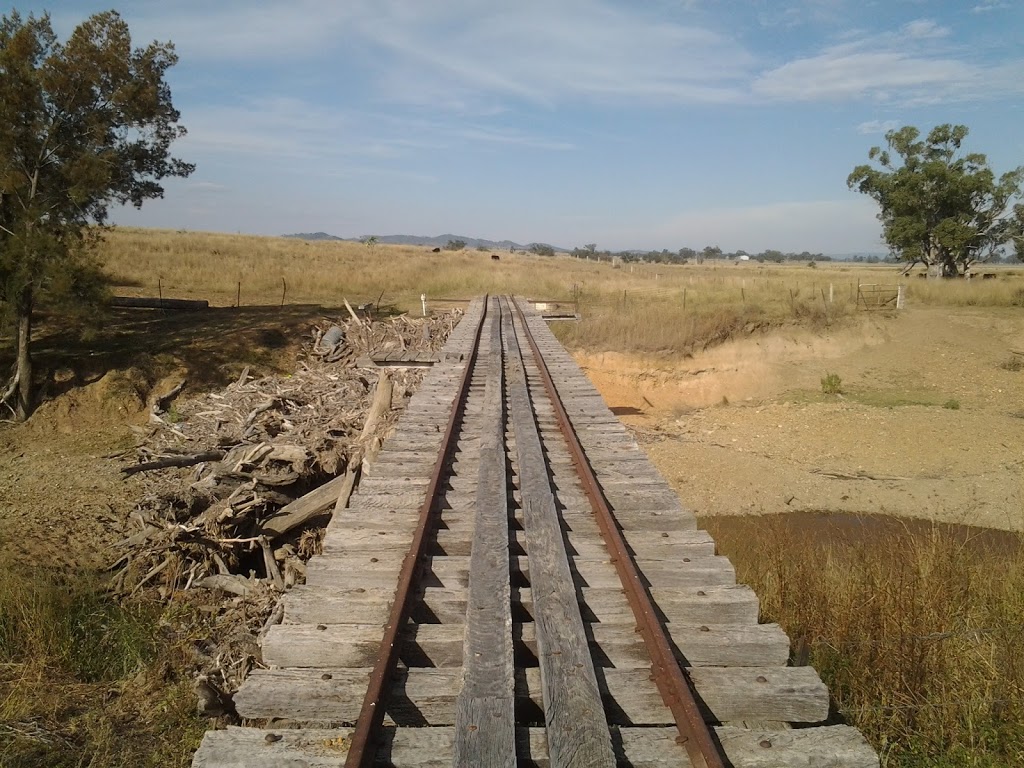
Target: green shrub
x,y
952,405
831,384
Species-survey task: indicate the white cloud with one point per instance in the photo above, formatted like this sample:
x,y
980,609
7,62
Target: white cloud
x,y
924,29
237,30
878,126
840,74
990,5
496,136
533,50
914,65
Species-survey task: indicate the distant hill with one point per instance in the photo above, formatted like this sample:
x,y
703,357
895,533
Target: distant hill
x,y
439,241
314,236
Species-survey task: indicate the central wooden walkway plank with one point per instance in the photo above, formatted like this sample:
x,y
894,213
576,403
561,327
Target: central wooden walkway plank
x,y
485,708
520,647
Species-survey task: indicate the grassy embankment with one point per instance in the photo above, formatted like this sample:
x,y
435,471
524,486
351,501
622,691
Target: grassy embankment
x,y
919,640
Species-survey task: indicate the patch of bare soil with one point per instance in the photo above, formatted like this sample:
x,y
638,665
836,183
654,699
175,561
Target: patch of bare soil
x,y
930,422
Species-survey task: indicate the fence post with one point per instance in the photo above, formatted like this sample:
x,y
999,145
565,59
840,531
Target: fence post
x,y
831,295
423,303
900,297
238,296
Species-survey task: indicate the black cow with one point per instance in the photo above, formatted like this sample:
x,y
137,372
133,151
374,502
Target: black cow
x,y
436,250
495,257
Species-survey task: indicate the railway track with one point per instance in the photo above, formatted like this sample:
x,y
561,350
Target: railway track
x,y
515,584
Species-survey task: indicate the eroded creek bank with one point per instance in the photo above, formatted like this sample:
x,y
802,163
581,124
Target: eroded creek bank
x,y
929,423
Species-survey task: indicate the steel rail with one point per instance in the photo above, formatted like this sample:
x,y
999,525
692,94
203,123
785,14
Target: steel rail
x,y
673,685
362,749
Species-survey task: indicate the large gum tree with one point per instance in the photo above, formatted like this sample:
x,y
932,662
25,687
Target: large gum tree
x,y
940,207
84,124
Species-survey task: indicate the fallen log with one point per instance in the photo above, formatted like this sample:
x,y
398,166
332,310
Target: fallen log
x,y
304,508
185,305
174,461
232,583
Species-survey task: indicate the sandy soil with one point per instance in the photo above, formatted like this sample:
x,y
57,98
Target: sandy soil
x,y
745,429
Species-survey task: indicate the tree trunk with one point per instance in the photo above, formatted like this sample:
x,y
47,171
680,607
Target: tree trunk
x,y
23,397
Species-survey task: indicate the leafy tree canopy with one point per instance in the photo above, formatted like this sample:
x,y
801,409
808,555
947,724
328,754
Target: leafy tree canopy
x,y
939,206
83,125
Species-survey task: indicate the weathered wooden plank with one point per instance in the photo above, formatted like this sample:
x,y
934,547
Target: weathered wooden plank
x,y
453,572
576,726
427,696
441,645
485,707
732,604
349,536
836,746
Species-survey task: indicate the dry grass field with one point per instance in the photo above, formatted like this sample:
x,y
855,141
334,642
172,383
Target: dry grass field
x,y
719,369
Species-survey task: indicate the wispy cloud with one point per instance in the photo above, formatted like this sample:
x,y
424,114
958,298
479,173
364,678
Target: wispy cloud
x,y
990,5
496,136
925,29
912,66
877,126
577,50
533,50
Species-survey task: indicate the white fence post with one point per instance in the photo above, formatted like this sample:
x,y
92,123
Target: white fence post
x,y
900,297
423,302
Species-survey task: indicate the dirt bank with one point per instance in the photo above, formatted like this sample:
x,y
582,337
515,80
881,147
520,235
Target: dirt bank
x,y
929,424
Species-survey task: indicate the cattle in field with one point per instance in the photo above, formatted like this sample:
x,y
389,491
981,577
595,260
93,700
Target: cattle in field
x,y
495,257
436,250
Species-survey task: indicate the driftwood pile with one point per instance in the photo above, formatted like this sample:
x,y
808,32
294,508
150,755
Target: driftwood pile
x,y
240,482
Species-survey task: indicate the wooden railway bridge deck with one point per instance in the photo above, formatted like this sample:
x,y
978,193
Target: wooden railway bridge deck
x,y
470,606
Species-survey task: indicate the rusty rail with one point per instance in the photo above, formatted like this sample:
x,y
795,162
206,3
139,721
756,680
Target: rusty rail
x,y
361,751
673,685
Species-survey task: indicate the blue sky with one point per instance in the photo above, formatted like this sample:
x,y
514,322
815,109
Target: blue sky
x,y
640,124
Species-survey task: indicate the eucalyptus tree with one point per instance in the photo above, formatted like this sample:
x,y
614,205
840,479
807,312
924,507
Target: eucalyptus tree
x,y
84,124
939,206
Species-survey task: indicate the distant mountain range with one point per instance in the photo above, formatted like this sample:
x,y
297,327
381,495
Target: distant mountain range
x,y
440,241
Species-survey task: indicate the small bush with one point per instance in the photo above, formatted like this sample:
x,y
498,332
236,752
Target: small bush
x,y
831,384
952,405
1015,364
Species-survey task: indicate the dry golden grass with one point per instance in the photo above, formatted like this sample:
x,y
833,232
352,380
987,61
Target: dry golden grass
x,y
85,681
642,307
917,630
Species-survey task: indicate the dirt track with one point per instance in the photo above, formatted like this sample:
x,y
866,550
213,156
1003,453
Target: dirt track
x,y
745,429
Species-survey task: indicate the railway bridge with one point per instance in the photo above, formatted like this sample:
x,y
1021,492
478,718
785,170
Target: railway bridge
x,y
515,584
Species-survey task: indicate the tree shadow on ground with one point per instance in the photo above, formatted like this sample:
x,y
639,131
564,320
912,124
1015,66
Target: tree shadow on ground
x,y
213,345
